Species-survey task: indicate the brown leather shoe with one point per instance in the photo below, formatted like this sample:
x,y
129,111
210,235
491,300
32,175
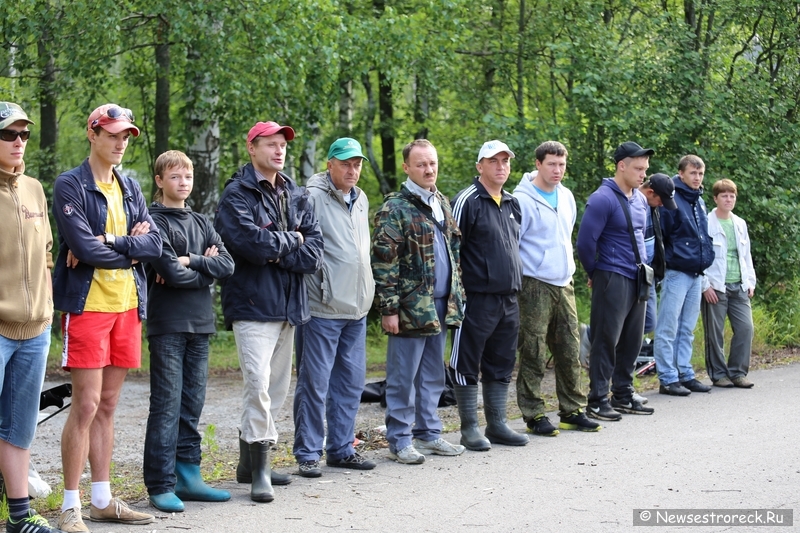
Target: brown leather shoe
x,y
742,383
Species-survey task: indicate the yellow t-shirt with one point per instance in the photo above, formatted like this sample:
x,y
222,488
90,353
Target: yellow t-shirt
x,y
497,199
113,291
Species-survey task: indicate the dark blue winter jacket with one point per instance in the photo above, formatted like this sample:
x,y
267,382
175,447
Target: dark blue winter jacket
x,y
687,245
80,210
267,284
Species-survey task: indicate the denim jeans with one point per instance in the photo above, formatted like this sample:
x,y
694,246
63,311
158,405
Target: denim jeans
x,y
22,365
329,386
178,376
678,310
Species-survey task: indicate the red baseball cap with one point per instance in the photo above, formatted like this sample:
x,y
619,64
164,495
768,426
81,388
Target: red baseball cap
x,y
113,119
264,129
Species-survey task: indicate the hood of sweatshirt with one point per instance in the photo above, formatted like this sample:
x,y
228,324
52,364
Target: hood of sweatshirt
x,y
180,213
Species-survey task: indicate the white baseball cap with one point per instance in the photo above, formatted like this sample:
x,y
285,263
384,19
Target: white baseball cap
x,y
492,148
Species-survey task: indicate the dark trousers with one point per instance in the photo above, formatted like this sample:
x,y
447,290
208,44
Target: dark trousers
x,y
617,322
178,376
486,342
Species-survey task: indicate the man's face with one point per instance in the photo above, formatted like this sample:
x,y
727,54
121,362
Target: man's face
x,y
12,152
551,171
495,170
176,184
345,174
422,166
109,147
725,201
634,170
268,154
653,199
692,176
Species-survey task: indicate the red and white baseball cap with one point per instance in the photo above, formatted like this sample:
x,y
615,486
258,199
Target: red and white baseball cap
x,y
113,119
265,129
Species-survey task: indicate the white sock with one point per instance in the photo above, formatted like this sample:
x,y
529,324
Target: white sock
x,y
72,498
101,494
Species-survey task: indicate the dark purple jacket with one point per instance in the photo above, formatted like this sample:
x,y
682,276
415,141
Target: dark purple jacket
x,y
80,211
604,242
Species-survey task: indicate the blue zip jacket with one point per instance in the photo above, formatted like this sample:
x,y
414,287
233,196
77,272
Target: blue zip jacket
x,y
268,282
80,211
604,242
687,245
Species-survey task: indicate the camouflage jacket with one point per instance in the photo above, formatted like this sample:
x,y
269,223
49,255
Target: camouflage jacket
x,y
403,264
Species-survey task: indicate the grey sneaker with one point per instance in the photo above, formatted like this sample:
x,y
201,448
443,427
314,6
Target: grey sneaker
x,y
408,456
639,398
71,521
438,447
309,469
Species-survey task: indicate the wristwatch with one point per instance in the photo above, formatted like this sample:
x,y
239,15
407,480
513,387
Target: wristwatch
x,y
110,240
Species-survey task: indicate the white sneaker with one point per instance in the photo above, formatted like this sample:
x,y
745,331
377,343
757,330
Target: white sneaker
x,y
639,398
438,447
71,521
408,455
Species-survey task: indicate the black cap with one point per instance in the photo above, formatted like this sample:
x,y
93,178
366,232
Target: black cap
x,y
631,149
665,188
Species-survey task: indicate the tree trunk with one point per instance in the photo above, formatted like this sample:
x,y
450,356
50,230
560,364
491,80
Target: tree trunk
x,y
369,127
204,132
162,120
308,157
48,119
386,113
421,108
345,107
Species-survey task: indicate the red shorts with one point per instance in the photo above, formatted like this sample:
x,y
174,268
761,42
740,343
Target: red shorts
x,y
98,340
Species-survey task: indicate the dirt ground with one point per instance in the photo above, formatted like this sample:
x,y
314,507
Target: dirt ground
x,y
222,410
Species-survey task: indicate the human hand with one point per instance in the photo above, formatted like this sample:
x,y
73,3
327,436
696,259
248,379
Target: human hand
x,y
750,292
391,324
140,228
72,261
710,295
160,280
300,237
211,251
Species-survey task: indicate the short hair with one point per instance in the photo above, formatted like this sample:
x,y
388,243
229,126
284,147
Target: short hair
x,y
167,160
724,185
692,160
422,143
550,147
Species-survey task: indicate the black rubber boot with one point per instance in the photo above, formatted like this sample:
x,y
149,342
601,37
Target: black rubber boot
x,y
471,438
243,468
495,397
261,490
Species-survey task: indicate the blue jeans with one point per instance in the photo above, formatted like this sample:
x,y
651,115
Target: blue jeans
x,y
414,382
329,385
678,311
178,376
22,366
651,315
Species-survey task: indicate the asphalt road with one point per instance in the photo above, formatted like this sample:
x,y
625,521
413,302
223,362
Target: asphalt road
x,y
728,449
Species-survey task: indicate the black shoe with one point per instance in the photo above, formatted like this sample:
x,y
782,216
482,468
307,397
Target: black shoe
x,y
674,389
540,425
602,411
355,462
631,407
309,469
695,386
577,421
33,523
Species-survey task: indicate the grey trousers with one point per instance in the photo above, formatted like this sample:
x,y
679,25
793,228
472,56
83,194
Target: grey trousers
x,y
735,304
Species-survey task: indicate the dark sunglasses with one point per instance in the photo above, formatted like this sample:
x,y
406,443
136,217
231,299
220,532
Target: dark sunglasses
x,y
114,113
11,135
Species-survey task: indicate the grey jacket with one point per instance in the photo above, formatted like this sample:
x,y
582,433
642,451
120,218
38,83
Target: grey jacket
x,y
343,288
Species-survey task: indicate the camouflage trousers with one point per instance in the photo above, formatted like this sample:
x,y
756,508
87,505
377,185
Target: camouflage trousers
x,y
548,319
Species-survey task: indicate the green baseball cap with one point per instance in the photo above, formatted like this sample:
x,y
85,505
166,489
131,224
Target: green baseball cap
x,y
11,113
345,148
